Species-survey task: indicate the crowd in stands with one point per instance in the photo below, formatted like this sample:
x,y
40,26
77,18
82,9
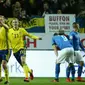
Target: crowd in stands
x,y
27,8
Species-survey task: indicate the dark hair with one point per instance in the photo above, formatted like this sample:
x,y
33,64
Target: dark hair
x,y
55,34
61,32
75,23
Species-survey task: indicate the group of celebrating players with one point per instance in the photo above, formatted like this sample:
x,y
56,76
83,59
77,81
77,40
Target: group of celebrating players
x,y
13,38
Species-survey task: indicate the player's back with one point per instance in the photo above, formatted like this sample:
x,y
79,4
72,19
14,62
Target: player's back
x,y
61,41
75,39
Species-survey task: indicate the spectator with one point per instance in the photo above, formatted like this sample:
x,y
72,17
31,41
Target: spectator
x,y
23,14
46,9
81,5
59,11
81,14
1,7
31,7
7,8
54,5
16,9
39,4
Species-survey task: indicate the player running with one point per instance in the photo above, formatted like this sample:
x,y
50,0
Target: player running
x,y
16,35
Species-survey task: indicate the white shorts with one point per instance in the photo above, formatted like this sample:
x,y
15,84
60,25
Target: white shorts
x,y
78,57
66,54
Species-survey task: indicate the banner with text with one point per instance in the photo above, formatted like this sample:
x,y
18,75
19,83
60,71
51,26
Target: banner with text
x,y
54,22
34,25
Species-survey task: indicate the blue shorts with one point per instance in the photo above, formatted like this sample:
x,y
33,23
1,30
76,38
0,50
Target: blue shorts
x,y
3,54
19,54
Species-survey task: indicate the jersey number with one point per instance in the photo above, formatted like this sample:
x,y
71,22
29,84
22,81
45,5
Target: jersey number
x,y
15,35
64,38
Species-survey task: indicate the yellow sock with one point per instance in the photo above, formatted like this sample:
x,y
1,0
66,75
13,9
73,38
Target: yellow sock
x,y
6,74
25,68
29,70
0,71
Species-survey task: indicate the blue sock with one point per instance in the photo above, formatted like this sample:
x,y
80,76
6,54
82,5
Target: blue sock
x,y
57,71
68,71
73,71
80,70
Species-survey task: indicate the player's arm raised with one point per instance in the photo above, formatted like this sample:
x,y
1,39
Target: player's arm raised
x,y
30,35
4,25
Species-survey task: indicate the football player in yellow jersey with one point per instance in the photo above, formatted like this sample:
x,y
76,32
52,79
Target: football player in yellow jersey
x,y
16,35
3,49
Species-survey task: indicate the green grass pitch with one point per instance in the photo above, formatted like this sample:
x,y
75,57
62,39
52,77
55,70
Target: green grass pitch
x,y
41,81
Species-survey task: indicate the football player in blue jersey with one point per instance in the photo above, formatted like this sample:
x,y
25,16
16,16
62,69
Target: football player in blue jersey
x,y
75,41
66,52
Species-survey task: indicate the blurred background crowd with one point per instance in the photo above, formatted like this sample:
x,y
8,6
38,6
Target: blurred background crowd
x,y
28,8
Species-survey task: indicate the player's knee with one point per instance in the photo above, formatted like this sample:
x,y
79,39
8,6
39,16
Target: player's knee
x,y
23,62
4,66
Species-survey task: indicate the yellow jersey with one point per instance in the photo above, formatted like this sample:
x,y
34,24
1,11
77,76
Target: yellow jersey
x,y
3,39
16,38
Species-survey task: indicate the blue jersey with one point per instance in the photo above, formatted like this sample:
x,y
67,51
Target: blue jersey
x,y
75,40
61,41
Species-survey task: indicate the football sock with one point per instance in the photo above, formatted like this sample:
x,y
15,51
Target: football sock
x,y
57,71
80,70
25,68
73,71
68,71
6,74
